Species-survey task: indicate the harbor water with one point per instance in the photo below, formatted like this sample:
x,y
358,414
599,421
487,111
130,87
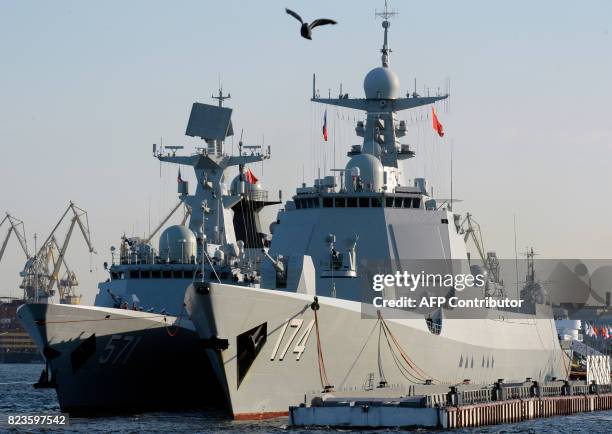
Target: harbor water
x,y
18,397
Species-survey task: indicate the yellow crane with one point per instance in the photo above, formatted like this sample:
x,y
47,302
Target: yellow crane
x,y
42,272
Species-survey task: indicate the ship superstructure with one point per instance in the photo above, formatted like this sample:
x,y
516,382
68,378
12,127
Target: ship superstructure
x,y
307,328
136,349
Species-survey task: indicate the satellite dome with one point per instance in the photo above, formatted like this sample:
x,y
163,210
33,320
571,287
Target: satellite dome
x,y
177,244
381,83
368,168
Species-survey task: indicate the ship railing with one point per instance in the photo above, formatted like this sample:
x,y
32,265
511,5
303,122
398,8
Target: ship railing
x,y
257,195
604,388
435,400
551,390
476,396
518,392
580,389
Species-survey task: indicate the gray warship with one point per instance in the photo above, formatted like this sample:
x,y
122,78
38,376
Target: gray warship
x,y
307,328
136,349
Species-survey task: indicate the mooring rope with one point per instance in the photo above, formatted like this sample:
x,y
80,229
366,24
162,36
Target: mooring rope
x,y
325,383
405,357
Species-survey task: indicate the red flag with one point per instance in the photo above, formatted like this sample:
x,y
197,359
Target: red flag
x,y
250,177
179,179
325,126
436,123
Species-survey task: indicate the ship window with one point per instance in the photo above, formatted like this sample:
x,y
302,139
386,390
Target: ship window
x,y
156,274
351,202
121,275
444,221
114,276
313,203
328,202
407,202
417,202
177,274
167,274
376,203
364,202
389,202
298,204
398,202
340,202
145,274
188,274
134,274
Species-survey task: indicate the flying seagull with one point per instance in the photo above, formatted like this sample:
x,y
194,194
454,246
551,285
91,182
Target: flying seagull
x,y
306,29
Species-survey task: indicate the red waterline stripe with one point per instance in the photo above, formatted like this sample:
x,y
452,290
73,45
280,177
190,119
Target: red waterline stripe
x,y
261,416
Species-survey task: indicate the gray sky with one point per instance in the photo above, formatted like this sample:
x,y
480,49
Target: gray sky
x,y
87,87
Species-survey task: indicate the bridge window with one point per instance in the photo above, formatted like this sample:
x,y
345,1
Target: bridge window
x,y
407,202
340,202
389,202
417,202
156,274
351,202
188,274
134,274
167,274
298,203
328,202
145,274
313,203
398,202
177,274
376,202
364,202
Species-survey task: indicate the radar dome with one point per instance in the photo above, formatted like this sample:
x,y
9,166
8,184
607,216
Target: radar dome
x,y
381,83
177,244
235,186
368,169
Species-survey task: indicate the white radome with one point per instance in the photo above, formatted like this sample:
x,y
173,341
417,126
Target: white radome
x,y
381,83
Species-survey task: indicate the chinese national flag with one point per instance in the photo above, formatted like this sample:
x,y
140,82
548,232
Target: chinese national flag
x,y
436,123
250,177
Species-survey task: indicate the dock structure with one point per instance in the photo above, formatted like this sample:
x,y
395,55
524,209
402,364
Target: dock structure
x,y
460,409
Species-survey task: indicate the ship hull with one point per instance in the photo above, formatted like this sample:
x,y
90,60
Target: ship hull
x,y
105,360
264,381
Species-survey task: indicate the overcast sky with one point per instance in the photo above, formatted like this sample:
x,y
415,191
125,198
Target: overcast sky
x,y
87,87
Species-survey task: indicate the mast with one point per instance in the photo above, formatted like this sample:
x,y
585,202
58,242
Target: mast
x,y
385,15
382,130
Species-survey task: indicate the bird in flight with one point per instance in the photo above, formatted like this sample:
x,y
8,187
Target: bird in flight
x,y
306,29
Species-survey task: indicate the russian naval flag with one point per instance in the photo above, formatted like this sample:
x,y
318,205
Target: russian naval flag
x,y
325,126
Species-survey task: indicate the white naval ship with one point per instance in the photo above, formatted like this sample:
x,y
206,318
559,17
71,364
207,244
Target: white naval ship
x,y
305,329
136,348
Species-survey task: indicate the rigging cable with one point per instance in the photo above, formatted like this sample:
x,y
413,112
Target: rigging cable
x,y
325,383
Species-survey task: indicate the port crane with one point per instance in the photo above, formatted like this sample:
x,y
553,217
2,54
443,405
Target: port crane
x,y
17,227
41,273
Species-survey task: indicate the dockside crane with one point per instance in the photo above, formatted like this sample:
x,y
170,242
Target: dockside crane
x,y
17,227
42,272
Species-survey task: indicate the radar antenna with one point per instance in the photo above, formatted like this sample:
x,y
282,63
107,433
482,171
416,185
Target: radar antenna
x,y
385,15
221,97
